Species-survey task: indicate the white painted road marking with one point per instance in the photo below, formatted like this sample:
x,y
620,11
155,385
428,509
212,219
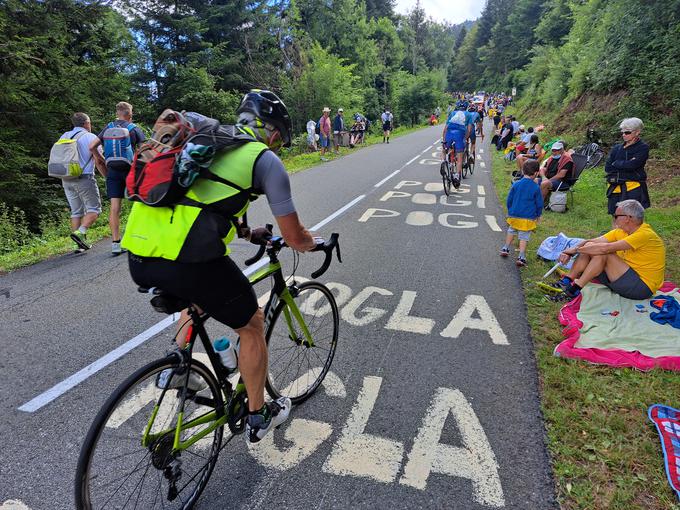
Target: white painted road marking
x,y
473,460
487,320
482,164
366,455
493,224
13,504
480,190
481,203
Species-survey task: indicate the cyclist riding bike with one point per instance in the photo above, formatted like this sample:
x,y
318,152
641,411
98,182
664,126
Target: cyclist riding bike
x,y
184,251
453,135
472,123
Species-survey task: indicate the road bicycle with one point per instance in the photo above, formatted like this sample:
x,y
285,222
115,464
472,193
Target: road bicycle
x,y
448,169
591,149
468,159
154,445
592,152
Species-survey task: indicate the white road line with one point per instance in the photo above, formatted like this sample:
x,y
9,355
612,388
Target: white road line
x,y
481,151
482,164
338,212
401,168
60,388
389,177
480,190
481,203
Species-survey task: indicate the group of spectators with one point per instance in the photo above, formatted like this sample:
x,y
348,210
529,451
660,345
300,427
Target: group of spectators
x,y
630,258
326,134
82,192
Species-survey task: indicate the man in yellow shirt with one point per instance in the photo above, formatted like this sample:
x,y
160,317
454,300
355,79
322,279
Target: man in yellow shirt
x,y
630,260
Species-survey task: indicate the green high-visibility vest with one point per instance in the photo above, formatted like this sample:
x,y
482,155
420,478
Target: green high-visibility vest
x,y
200,232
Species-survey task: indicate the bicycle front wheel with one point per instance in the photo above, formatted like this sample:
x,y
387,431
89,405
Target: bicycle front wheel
x,y
128,458
297,366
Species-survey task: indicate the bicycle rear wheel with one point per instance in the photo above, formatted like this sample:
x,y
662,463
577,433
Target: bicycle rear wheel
x,y
115,470
471,163
464,170
446,178
296,368
595,159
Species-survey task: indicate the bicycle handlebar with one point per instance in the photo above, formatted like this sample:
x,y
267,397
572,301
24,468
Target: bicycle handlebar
x,y
276,243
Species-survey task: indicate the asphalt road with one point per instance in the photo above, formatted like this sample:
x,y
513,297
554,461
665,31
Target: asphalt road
x,y
434,395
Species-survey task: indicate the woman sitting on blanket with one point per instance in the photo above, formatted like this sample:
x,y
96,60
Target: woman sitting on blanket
x,y
630,260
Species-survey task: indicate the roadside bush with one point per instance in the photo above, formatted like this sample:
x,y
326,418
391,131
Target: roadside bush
x,y
14,231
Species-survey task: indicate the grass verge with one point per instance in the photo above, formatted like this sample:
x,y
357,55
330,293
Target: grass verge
x,y
605,452
55,238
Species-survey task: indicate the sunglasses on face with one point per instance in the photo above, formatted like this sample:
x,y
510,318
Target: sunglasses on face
x,y
626,132
617,216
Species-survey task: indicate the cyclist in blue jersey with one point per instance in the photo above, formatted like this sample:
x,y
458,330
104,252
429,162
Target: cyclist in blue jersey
x,y
453,137
472,120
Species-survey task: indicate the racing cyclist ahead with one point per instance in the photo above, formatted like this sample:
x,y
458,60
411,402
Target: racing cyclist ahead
x,y
472,124
453,136
183,250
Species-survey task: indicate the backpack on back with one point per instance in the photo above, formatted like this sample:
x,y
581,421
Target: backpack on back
x,y
179,151
117,143
64,160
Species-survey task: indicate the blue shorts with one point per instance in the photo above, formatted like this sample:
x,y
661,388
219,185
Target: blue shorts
x,y
458,138
115,180
323,141
473,134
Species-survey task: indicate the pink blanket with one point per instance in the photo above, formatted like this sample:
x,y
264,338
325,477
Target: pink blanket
x,y
609,339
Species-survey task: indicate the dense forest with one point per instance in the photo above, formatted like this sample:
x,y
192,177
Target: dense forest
x,y
61,56
583,61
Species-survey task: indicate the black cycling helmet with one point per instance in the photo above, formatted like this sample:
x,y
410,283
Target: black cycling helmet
x,y
267,107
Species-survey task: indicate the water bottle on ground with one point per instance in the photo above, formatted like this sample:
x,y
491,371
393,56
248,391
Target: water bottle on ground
x,y
228,353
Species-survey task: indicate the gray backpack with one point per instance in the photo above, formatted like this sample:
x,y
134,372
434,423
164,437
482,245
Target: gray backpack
x,y
64,160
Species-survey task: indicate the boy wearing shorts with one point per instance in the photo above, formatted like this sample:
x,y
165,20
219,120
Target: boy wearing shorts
x,y
525,205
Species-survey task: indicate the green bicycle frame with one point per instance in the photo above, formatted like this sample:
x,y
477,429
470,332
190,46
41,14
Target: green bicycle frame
x,y
292,315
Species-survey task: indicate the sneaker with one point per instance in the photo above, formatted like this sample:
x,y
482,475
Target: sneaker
x,y
257,425
166,380
561,296
80,239
521,262
456,183
324,159
78,250
562,284
116,249
504,252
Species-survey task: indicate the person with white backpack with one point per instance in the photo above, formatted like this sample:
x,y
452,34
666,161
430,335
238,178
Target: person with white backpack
x,y
119,139
71,161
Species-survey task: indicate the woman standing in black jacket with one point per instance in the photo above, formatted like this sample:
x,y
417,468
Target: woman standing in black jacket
x,y
625,167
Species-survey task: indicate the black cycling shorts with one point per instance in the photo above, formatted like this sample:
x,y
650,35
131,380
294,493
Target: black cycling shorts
x,y
218,286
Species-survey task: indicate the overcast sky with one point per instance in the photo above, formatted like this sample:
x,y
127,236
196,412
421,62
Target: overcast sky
x,y
453,11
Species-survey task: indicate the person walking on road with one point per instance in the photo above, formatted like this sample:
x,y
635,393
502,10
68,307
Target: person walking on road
x,y
386,118
324,131
119,138
82,193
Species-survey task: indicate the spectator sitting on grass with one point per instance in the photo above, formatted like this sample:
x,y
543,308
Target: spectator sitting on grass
x,y
630,260
534,150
